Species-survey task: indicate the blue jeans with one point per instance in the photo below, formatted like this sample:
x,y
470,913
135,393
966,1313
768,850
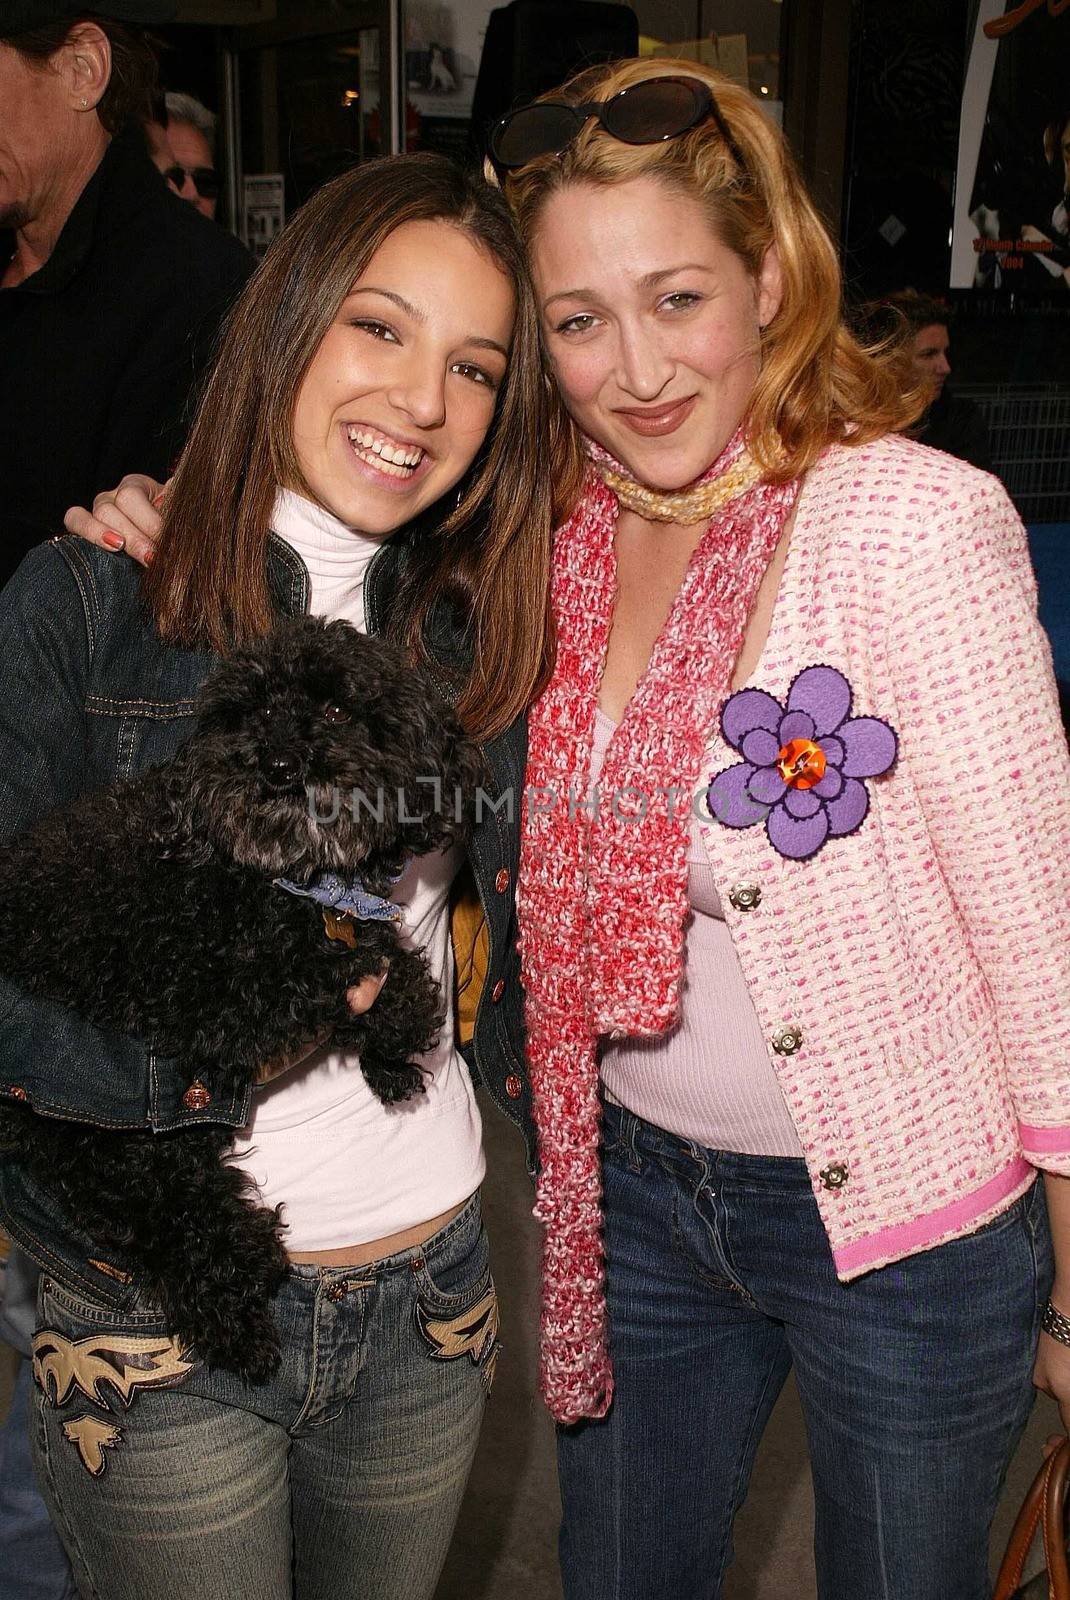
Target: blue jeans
x,y
340,1479
33,1563
915,1382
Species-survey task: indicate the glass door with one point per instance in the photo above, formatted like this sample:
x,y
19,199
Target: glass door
x,y
316,91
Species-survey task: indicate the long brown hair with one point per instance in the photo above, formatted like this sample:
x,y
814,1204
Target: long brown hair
x,y
817,384
490,555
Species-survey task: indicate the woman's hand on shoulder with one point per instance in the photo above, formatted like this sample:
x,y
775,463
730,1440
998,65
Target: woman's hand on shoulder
x,y
126,518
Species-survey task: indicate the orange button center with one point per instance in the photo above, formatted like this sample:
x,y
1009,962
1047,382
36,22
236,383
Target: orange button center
x,y
801,764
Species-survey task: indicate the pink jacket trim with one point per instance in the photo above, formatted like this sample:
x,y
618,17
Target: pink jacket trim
x,y
1046,1141
932,1227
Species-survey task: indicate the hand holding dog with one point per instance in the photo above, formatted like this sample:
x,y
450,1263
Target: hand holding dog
x,y
360,997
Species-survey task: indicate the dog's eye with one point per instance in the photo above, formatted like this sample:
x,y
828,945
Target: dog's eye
x,y
336,714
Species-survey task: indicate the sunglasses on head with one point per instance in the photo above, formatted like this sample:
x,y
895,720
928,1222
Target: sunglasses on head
x,y
205,179
646,113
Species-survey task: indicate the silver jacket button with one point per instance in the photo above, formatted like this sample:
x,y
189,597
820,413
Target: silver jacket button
x,y
835,1176
745,896
787,1039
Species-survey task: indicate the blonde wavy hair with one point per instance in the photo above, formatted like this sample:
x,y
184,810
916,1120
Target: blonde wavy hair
x,y
817,385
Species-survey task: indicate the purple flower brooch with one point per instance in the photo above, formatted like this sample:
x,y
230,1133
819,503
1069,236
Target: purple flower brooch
x,y
803,763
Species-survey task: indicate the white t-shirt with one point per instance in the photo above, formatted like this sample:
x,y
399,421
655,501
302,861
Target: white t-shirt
x,y
346,1168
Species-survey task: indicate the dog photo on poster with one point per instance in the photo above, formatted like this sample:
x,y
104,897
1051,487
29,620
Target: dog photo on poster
x,y
1012,213
442,44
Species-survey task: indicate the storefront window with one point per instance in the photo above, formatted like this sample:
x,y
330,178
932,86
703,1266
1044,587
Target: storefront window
x,y
444,45
741,38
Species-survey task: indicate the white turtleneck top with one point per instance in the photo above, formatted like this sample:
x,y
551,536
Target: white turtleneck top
x,y
346,1168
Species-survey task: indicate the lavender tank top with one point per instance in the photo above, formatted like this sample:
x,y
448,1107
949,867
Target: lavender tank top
x,y
711,1079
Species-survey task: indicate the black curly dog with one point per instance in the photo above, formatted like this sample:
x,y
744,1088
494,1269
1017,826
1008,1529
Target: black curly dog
x,y
150,908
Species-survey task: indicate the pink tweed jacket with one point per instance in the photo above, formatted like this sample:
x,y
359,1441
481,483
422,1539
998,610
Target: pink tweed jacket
x,y
915,975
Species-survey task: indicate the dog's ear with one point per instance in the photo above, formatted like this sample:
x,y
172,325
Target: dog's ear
x,y
446,812
173,828
226,694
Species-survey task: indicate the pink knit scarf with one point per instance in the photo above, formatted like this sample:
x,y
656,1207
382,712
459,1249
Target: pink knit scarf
x,y
603,901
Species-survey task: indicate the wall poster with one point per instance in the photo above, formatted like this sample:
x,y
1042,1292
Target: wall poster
x,y
1012,191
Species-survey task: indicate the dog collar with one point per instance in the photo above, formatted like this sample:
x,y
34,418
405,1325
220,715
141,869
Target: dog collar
x,y
344,898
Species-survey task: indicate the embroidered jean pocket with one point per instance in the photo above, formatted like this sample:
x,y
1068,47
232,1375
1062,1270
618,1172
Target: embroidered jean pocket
x,y
457,1305
85,1352
472,1332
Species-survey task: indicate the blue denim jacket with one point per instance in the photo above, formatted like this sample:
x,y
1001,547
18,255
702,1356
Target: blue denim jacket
x,y
88,695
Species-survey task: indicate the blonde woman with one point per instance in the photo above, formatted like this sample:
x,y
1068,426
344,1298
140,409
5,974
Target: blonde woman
x,y
824,1007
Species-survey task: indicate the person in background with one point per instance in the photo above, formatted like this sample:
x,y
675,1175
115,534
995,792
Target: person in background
x,y
190,128
950,422
180,135
1052,236
111,291
1057,153
159,145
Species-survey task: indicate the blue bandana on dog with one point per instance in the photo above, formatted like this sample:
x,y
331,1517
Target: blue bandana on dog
x,y
345,899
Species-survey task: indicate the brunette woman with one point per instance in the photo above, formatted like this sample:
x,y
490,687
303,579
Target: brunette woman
x,y
380,373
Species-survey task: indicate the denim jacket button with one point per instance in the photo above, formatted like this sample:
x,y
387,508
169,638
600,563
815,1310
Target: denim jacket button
x,y
514,1086
196,1096
501,882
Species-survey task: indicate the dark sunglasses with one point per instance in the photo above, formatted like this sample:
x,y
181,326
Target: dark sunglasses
x,y
646,113
205,179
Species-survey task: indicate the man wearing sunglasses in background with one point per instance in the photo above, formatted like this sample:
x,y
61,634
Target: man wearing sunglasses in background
x,y
190,130
111,289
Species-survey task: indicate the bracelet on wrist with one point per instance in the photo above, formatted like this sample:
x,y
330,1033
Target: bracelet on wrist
x,y
1054,1323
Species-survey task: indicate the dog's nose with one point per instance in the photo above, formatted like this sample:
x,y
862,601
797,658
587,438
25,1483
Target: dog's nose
x,y
280,771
